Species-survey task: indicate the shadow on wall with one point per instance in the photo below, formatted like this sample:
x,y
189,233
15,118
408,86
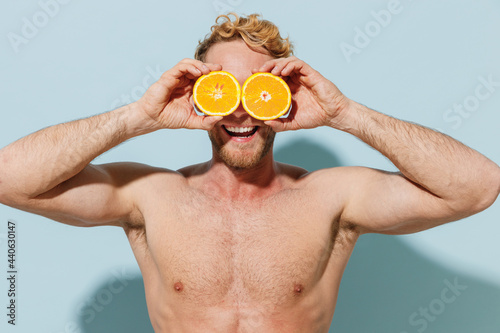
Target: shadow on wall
x,y
117,305
386,288
389,288
306,154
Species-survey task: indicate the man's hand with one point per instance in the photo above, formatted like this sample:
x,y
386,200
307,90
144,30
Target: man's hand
x,y
441,180
168,102
315,100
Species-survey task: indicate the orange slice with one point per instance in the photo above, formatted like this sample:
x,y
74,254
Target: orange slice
x,y
217,93
266,96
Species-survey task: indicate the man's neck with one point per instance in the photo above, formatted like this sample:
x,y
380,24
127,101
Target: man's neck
x,y
236,183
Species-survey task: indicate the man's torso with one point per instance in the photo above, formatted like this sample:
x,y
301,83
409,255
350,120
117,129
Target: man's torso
x,y
263,264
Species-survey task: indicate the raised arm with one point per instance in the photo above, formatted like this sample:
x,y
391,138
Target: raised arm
x,y
440,179
49,172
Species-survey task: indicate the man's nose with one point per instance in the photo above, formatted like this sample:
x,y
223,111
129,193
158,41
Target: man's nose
x,y
240,112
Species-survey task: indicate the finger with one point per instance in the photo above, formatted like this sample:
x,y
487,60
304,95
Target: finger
x,y
194,71
206,68
203,68
186,89
278,67
275,65
209,122
281,124
203,122
175,75
305,71
187,65
213,67
292,67
293,85
268,65
276,125
189,61
187,79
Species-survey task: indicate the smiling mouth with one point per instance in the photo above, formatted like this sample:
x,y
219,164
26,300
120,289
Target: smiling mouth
x,y
240,132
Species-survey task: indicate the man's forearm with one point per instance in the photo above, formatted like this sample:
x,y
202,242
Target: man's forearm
x,y
437,162
38,162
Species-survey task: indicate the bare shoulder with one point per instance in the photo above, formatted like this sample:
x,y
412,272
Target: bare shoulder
x,y
336,177
194,170
101,194
291,171
329,176
331,188
124,173
343,182
141,182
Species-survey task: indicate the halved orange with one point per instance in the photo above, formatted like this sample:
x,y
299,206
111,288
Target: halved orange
x,y
217,93
266,96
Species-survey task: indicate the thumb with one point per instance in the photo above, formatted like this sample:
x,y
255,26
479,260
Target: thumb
x,y
208,122
278,125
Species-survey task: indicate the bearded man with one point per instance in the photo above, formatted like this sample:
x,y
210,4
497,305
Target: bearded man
x,y
242,243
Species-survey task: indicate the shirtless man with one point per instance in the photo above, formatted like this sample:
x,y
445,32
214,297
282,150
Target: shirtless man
x,y
242,243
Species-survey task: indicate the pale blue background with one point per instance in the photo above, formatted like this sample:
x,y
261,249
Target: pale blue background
x,y
90,53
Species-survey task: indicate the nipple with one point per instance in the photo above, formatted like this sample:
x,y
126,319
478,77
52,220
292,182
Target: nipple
x,y
178,286
298,288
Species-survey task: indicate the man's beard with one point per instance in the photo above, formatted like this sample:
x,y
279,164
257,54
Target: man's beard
x,y
239,159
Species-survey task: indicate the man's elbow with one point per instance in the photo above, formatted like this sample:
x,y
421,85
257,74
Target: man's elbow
x,y
482,194
10,196
3,192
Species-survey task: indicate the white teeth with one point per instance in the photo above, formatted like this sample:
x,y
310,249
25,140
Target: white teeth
x,y
240,129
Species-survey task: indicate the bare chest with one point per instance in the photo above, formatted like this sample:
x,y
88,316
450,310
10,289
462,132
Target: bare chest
x,y
211,251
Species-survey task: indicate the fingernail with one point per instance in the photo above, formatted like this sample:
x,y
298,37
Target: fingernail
x,y
205,67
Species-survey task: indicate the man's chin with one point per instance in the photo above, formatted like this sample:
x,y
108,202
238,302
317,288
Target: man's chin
x,y
240,158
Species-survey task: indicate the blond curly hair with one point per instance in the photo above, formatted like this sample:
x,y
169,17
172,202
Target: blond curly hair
x,y
254,31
